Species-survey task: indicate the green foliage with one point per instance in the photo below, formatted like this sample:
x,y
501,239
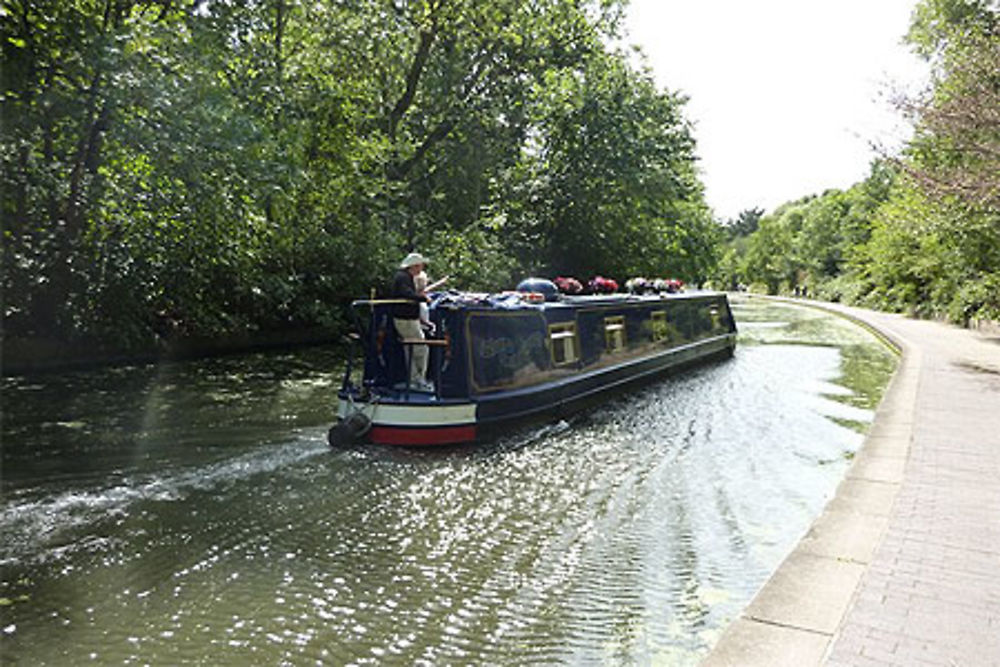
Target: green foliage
x,y
228,167
746,222
607,184
935,249
937,24
932,259
808,245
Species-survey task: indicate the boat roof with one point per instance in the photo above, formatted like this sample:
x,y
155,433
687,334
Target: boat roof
x,y
456,300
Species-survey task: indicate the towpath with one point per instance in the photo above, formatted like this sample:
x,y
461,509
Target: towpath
x,y
903,566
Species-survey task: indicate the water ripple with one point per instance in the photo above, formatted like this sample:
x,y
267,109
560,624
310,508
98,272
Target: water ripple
x,y
627,535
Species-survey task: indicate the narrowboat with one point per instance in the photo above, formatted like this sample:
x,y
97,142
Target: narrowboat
x,y
502,358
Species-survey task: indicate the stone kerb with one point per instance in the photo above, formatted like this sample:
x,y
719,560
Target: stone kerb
x,y
796,614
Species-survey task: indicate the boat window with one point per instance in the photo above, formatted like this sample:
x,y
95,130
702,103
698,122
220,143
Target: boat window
x,y
565,349
614,333
659,325
716,316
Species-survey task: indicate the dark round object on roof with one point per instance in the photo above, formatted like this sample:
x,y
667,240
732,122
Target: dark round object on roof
x,y
540,285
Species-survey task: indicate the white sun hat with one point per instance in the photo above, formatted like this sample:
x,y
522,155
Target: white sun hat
x,y
413,259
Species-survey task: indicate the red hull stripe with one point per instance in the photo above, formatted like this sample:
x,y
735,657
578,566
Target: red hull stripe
x,y
392,435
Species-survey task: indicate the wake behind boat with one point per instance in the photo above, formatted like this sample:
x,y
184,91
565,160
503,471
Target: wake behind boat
x,y
499,359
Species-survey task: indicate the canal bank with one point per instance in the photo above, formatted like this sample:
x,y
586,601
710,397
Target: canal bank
x,y
900,568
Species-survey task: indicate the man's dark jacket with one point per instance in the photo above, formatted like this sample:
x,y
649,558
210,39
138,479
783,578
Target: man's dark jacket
x,y
403,288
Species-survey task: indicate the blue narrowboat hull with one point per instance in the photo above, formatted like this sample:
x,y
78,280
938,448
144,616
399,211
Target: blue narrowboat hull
x,y
501,361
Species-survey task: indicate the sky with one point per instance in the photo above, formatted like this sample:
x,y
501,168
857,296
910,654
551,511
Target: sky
x,y
786,96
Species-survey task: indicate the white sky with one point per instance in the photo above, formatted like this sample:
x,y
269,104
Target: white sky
x,y
787,96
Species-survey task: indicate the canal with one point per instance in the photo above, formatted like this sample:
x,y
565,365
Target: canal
x,y
193,513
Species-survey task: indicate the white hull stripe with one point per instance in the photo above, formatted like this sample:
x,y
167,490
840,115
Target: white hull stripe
x,y
427,414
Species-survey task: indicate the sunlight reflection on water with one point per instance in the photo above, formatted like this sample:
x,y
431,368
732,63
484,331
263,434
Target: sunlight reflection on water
x,y
182,518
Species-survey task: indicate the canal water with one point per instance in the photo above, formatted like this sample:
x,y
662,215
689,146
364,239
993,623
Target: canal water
x,y
193,513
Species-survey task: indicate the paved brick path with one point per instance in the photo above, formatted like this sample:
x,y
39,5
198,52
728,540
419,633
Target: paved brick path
x,y
903,567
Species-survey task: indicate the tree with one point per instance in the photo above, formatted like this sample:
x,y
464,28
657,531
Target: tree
x,y
225,168
62,63
955,153
948,204
607,184
746,222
